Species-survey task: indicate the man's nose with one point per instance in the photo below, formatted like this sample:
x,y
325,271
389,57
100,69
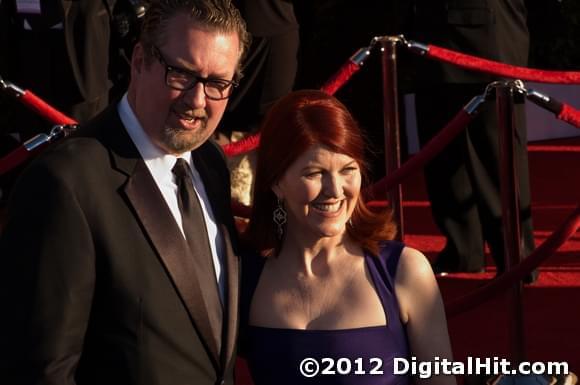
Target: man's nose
x,y
195,96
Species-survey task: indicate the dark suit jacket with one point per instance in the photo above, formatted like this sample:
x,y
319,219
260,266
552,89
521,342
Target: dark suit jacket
x,y
96,277
493,29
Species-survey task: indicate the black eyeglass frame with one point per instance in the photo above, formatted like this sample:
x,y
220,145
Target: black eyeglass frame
x,y
227,86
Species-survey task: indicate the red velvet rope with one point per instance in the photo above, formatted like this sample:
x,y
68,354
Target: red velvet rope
x,y
544,251
340,77
570,115
502,69
43,109
242,146
13,159
431,149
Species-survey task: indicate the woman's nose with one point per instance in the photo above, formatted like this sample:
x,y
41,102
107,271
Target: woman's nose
x,y
333,186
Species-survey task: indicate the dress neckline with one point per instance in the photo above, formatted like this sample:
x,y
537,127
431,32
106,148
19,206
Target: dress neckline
x,y
375,284
305,331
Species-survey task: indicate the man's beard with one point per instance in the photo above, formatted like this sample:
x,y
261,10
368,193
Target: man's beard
x,y
179,140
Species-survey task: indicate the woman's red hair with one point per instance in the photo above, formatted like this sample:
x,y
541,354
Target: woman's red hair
x,y
297,121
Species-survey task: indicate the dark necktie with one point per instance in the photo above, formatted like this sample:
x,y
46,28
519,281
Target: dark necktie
x,y
195,232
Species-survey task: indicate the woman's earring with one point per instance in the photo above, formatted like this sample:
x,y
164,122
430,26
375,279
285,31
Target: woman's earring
x,y
279,216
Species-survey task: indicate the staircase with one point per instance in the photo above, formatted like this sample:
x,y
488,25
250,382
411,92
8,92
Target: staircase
x,y
551,304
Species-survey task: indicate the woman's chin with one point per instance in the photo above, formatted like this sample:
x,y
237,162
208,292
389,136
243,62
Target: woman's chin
x,y
331,231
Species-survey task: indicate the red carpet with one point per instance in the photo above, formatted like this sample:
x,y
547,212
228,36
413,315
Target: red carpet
x,y
551,310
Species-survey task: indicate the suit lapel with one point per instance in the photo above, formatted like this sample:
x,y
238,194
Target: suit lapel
x,y
163,232
232,300
220,205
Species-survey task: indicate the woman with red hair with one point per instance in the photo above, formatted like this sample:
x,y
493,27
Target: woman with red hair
x,y
330,283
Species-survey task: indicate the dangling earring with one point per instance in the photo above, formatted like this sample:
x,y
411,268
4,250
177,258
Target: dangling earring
x,y
279,216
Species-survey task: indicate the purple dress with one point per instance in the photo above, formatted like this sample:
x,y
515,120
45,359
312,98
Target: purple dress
x,y
274,355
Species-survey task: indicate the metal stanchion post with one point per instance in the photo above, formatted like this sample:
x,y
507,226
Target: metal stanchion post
x,y
510,214
391,124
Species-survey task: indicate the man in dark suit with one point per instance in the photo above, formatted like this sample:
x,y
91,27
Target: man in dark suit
x,y
118,263
463,182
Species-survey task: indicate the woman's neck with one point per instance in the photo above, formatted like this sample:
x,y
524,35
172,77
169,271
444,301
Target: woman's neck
x,y
317,257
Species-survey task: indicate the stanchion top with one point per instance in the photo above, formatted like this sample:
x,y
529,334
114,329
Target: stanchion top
x,y
389,39
515,85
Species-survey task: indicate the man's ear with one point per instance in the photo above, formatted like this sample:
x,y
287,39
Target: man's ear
x,y
137,59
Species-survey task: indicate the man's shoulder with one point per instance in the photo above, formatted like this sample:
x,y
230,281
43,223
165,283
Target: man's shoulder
x,y
76,150
73,163
85,149
82,146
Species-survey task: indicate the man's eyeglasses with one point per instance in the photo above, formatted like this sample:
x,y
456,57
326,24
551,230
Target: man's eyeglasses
x,y
182,79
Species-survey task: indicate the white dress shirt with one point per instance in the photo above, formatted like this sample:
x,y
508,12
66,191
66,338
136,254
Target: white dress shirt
x,y
160,165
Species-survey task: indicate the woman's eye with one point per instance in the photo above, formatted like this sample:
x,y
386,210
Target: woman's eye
x,y
313,174
349,170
